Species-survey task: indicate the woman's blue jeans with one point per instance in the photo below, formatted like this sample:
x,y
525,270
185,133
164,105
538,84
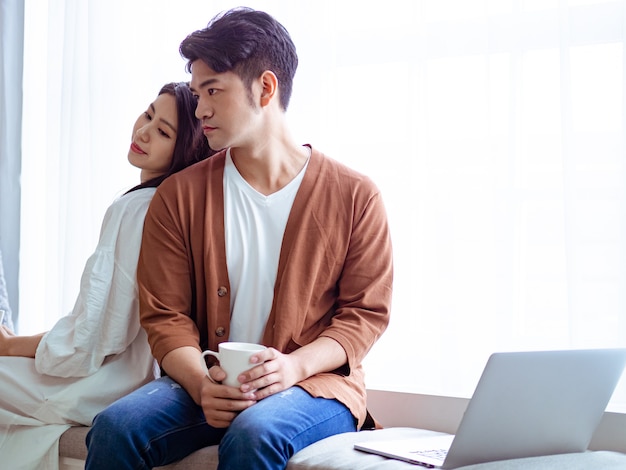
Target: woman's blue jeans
x,y
160,423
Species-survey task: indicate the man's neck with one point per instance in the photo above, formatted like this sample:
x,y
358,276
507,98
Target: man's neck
x,y
270,168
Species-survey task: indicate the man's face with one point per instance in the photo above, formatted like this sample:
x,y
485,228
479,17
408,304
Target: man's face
x,y
228,118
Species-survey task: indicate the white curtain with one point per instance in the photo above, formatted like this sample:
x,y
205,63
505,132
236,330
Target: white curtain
x,y
11,52
495,130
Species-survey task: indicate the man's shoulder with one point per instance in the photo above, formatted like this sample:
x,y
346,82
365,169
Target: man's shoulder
x,y
201,169
196,176
328,167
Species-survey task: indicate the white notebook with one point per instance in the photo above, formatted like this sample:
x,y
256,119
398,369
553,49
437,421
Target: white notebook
x,y
525,404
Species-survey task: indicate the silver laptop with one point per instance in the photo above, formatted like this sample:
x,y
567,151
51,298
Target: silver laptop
x,y
525,404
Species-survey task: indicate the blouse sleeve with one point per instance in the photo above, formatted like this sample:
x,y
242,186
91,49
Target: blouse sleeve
x,y
105,317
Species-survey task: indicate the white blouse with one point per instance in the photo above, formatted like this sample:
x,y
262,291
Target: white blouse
x,y
104,320
90,358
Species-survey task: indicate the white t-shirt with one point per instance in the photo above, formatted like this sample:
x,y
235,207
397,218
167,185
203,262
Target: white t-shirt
x,y
254,225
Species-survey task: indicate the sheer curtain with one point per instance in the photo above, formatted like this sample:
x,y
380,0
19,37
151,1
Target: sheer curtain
x,y
495,130
11,52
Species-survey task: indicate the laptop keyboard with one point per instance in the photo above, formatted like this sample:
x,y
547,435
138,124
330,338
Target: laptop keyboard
x,y
432,453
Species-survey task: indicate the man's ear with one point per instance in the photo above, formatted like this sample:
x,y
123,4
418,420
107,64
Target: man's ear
x,y
269,83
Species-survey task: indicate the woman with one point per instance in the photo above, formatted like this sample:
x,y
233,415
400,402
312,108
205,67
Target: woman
x,y
97,353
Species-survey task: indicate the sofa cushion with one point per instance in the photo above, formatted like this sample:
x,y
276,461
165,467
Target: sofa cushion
x,y
337,453
600,460
333,453
72,445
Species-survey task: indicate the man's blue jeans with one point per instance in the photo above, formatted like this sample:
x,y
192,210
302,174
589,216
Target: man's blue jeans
x,y
160,423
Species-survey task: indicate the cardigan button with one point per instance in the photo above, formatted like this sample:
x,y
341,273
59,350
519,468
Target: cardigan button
x,y
222,291
220,331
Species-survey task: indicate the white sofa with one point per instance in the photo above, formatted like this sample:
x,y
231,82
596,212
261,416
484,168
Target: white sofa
x,y
336,453
403,415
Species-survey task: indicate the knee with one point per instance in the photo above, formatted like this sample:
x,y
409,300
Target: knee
x,y
245,430
112,440
108,423
252,442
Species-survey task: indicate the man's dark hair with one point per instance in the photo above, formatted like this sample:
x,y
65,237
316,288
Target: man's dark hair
x,y
246,42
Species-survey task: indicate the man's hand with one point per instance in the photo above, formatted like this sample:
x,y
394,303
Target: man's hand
x,y
273,373
277,371
221,403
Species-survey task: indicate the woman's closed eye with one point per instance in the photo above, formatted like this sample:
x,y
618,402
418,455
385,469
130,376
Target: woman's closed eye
x,y
164,134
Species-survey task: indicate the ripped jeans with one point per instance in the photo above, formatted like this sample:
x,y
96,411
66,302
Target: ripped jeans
x,y
160,423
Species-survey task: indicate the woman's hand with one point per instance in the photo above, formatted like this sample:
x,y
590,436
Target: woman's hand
x,y
5,340
12,345
6,336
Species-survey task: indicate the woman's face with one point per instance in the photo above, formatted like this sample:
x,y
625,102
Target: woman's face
x,y
154,138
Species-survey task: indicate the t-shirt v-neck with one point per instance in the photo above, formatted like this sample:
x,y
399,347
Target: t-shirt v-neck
x,y
254,227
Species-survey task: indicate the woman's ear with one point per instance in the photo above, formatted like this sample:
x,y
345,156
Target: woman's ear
x,y
269,83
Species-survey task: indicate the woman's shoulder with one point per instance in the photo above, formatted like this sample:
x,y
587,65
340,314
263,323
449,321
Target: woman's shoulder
x,y
132,204
137,197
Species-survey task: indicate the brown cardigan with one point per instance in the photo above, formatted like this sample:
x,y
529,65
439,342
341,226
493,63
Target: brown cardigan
x,y
334,274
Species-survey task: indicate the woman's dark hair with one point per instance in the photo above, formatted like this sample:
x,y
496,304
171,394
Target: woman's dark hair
x,y
191,144
247,42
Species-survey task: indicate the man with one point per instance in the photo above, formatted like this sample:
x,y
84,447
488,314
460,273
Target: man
x,y
268,242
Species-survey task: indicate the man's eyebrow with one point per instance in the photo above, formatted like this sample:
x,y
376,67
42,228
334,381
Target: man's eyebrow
x,y
165,121
209,81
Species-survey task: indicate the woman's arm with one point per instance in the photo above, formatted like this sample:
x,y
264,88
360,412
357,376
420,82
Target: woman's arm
x,y
12,345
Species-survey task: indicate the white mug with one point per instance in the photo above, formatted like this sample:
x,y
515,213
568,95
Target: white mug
x,y
234,358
